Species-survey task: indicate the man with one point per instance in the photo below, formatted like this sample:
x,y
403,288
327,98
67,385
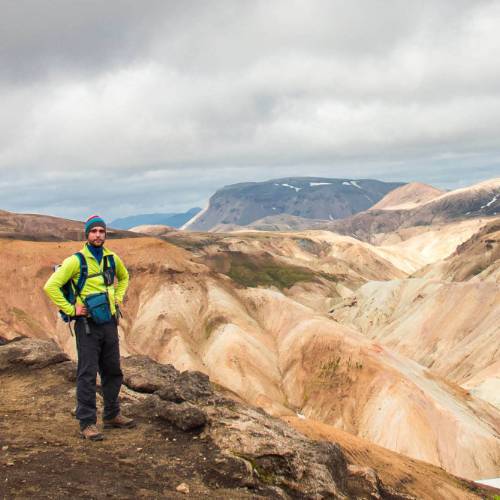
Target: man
x,y
96,342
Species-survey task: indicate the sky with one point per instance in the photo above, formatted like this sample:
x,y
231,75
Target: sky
x,y
128,107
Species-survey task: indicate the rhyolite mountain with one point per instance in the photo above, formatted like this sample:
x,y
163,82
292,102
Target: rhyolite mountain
x,y
170,219
308,197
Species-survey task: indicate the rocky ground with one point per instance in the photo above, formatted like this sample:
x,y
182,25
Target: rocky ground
x,y
192,441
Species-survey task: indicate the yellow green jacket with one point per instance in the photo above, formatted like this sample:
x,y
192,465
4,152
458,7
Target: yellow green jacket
x,y
70,270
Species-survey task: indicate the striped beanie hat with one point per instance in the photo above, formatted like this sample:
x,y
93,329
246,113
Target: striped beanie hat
x,y
93,221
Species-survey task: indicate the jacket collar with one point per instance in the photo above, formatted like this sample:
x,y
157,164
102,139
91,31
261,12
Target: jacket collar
x,y
88,253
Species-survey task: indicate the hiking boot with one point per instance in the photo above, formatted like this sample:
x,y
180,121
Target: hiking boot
x,y
120,422
91,433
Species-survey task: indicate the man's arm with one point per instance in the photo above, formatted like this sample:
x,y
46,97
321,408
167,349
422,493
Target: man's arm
x,y
69,268
122,276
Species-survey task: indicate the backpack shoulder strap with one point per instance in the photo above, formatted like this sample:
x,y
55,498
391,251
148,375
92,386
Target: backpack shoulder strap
x,y
109,262
84,271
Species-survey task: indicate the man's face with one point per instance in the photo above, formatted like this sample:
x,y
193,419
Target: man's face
x,y
97,236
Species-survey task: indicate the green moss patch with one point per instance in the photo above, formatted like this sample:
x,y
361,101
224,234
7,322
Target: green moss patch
x,y
263,270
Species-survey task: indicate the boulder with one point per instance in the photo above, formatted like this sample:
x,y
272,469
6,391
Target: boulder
x,y
142,374
188,386
279,456
34,353
184,416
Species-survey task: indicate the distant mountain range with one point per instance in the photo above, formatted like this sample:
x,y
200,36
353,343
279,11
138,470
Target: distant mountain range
x,y
412,204
172,219
307,197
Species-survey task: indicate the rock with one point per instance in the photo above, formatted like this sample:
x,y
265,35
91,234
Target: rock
x,y
170,393
278,455
142,374
185,416
31,352
363,482
194,385
182,488
188,386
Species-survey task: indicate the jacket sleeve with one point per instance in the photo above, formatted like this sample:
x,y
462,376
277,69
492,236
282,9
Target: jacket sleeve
x,y
69,268
123,278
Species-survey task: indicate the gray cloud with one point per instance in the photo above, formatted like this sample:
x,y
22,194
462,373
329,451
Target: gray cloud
x,y
131,106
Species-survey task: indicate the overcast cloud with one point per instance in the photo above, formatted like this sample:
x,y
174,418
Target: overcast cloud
x,y
125,107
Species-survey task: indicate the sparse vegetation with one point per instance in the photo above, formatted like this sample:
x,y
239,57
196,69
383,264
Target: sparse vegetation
x,y
265,271
251,275
327,369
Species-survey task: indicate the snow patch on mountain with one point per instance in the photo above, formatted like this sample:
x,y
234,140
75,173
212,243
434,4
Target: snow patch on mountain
x,y
352,183
291,187
495,198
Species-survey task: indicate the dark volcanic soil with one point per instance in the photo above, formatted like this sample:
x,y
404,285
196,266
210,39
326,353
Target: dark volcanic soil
x,y
42,455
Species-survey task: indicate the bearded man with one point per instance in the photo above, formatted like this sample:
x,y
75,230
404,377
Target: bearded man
x,y
91,275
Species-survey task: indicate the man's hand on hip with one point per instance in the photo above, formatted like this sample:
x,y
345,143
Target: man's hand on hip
x,y
80,310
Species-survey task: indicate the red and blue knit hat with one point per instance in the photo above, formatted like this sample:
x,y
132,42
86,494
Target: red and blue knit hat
x,y
93,221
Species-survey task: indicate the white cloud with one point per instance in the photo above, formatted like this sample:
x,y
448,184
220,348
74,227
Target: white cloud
x,y
222,92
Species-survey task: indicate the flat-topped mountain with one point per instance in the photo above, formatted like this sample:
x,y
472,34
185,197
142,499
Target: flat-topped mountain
x,y
308,197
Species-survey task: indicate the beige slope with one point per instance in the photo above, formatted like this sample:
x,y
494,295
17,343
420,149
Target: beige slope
x,y
408,196
280,355
485,384
477,259
331,375
453,328
429,244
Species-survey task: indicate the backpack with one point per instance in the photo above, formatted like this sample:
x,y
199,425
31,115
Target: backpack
x,y
71,289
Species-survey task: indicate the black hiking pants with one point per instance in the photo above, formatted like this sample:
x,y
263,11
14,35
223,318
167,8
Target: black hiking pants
x,y
97,352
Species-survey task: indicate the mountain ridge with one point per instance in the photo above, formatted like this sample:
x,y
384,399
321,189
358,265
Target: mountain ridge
x,y
309,197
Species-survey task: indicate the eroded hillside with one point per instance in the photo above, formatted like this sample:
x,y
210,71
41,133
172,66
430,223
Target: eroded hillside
x,y
272,342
